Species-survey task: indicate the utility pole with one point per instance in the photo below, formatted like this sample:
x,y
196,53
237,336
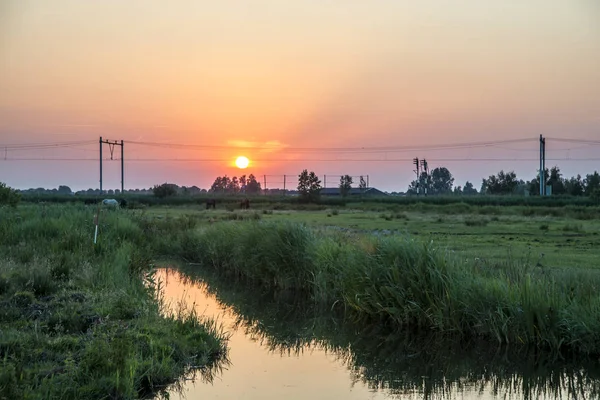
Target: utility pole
x,y
417,171
426,170
284,184
265,181
324,181
368,181
100,164
542,166
122,167
111,147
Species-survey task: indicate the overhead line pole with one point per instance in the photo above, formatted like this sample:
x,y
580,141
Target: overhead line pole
x,y
122,167
100,164
111,145
542,166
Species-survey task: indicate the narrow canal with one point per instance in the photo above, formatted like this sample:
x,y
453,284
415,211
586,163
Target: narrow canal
x,y
281,348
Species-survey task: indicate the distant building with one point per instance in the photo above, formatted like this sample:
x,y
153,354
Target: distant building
x,y
353,192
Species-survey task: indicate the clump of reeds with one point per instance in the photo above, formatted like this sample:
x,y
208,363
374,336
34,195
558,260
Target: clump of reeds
x,y
412,285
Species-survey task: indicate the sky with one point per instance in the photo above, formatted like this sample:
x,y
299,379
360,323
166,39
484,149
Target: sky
x,y
266,78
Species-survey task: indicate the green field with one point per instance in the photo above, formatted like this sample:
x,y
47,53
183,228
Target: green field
x,y
83,321
551,237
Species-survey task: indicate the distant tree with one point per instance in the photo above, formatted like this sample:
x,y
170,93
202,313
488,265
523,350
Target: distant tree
x,y
233,186
345,185
592,183
483,188
469,189
220,185
110,191
502,183
458,190
556,181
362,184
64,189
164,190
575,186
309,186
441,181
252,185
243,183
9,196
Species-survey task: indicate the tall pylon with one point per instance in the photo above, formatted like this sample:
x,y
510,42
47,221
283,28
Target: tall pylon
x,y
111,146
417,171
542,166
425,169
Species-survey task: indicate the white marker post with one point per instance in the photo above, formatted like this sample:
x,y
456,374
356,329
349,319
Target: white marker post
x,y
96,223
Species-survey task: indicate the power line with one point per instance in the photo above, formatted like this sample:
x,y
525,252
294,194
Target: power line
x,y
303,160
41,146
569,140
363,149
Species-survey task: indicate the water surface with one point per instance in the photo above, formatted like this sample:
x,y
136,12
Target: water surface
x,y
282,347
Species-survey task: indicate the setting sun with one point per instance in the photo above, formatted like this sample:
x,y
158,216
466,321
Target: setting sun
x,y
242,162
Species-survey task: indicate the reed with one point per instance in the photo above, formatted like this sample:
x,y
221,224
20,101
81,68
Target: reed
x,y
411,285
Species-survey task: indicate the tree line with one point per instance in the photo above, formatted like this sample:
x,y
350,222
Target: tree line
x,y
507,183
441,182
438,182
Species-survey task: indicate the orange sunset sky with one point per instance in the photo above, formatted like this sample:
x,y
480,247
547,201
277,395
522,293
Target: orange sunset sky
x,y
265,78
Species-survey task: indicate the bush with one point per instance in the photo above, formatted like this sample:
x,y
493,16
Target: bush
x,y
9,196
164,190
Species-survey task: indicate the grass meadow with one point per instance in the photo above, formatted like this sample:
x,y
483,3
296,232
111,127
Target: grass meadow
x,y
79,321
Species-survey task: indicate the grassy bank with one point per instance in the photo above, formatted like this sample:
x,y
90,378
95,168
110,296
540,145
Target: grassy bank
x,y
410,285
79,321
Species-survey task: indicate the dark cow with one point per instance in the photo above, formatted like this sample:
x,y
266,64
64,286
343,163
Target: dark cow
x,y
123,203
211,203
88,202
245,204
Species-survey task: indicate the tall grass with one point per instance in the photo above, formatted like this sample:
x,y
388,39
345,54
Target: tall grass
x,y
84,321
411,285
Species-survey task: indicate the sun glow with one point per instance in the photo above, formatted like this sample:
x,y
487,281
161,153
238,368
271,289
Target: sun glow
x,y
242,162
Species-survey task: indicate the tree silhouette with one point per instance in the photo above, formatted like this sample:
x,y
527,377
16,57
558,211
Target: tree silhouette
x,y
309,186
345,185
441,181
362,184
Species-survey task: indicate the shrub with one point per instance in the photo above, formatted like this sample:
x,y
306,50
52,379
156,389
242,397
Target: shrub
x,y
9,196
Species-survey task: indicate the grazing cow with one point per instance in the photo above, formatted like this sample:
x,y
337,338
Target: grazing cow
x,y
110,202
245,204
123,203
211,203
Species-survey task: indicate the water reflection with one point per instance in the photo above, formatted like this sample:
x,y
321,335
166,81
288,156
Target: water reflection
x,y
278,335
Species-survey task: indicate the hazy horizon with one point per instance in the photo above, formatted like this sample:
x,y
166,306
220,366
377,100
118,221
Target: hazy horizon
x,y
295,74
